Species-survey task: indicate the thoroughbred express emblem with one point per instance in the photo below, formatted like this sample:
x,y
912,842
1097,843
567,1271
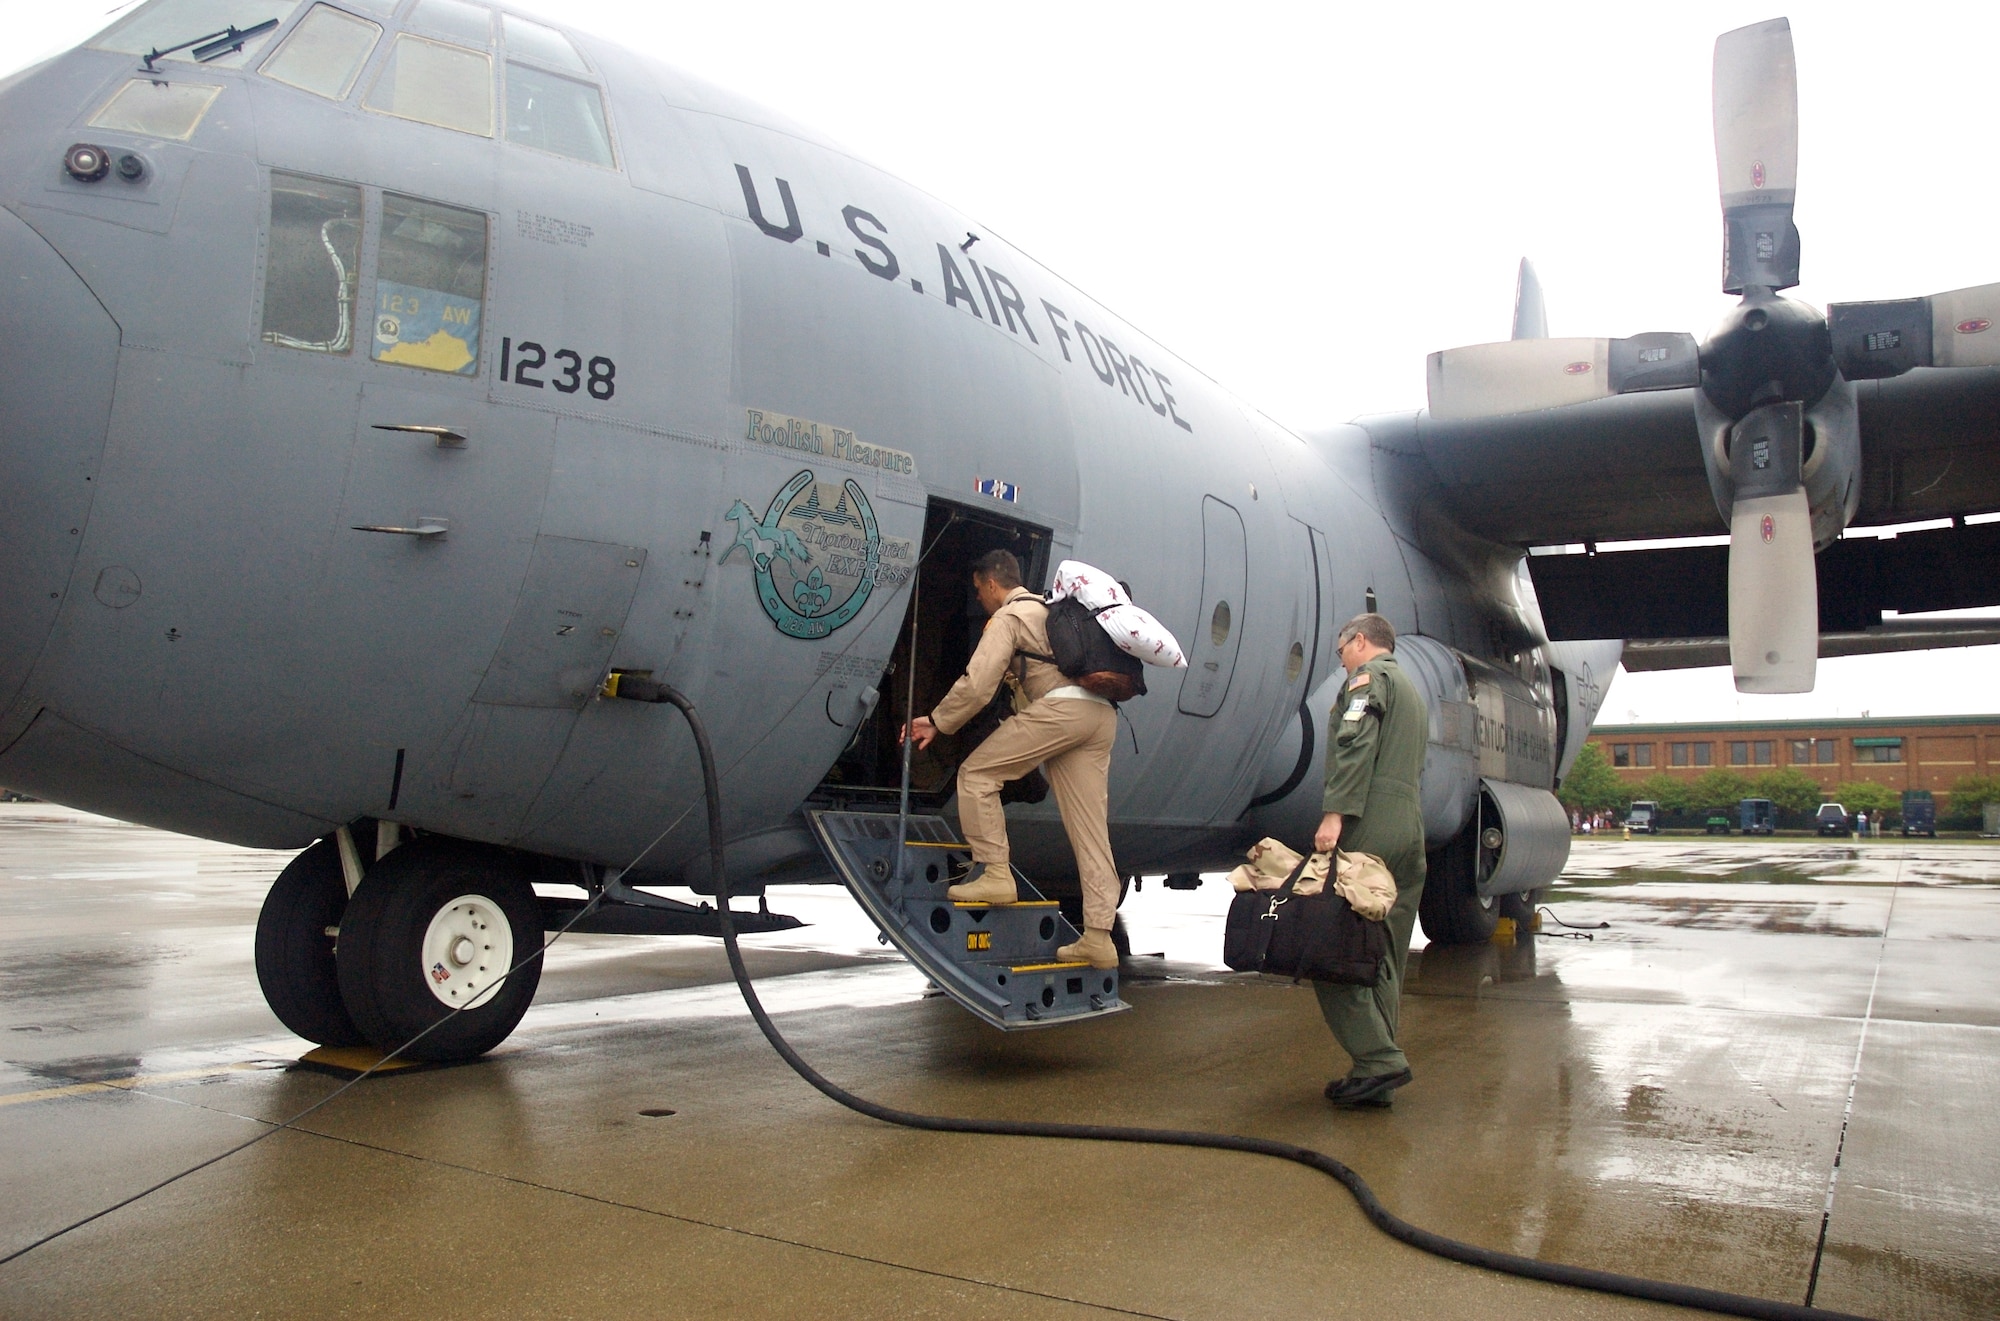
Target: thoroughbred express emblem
x,y
818,554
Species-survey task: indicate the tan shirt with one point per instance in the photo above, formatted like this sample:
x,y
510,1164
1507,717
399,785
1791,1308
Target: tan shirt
x,y
1020,624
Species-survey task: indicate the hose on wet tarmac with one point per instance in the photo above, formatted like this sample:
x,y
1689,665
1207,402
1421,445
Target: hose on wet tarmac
x,y
1630,1286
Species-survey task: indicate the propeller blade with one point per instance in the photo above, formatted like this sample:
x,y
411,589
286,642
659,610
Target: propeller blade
x,y
1531,318
1956,329
1773,588
1526,375
1756,100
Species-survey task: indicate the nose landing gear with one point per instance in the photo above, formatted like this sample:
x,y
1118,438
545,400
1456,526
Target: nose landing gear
x,y
434,927
295,952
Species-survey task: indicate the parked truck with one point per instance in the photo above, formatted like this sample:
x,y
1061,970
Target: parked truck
x,y
1756,816
1919,813
1643,818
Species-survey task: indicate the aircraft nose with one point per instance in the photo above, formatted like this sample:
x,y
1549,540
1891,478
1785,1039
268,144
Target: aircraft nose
x,y
60,360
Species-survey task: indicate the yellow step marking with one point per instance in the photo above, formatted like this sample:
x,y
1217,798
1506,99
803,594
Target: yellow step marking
x,y
1018,903
1046,967
927,844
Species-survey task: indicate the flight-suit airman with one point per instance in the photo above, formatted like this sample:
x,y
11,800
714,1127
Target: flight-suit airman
x,y
1374,758
1056,725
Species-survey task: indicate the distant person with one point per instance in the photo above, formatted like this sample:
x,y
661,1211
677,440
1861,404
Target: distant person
x,y
1374,757
1056,725
1861,824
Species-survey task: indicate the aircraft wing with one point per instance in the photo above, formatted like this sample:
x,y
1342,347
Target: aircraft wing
x,y
1630,468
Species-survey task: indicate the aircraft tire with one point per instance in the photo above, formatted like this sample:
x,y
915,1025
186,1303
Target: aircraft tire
x,y
1450,909
430,890
1520,907
295,956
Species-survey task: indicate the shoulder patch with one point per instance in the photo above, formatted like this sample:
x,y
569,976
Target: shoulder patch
x,y
1359,679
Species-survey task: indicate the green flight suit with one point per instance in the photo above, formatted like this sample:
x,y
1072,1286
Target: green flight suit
x,y
1374,756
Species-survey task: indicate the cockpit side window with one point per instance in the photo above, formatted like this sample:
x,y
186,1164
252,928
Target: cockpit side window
x,y
553,113
430,285
311,266
433,83
175,22
324,53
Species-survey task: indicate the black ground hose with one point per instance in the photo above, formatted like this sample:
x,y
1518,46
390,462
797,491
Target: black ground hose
x,y
1631,1286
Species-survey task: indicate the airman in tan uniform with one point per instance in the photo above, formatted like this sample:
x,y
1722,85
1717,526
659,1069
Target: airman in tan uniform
x,y
1056,725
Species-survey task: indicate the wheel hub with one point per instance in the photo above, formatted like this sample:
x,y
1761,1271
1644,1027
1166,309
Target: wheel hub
x,y
467,950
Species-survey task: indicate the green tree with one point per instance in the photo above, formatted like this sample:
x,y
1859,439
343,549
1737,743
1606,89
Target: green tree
x,y
1591,785
1969,797
1789,789
1879,801
1718,790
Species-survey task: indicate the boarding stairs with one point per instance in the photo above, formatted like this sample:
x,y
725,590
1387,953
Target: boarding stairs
x,y
998,960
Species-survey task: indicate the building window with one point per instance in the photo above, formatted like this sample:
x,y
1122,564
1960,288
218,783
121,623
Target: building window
x,y
1677,754
1739,754
1878,749
1642,754
1802,751
1621,755
1762,752
1704,754
1823,751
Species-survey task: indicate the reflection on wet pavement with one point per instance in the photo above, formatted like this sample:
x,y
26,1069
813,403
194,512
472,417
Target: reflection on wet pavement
x,y
1664,1097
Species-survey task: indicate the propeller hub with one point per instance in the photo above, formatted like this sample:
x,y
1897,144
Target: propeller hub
x,y
1767,350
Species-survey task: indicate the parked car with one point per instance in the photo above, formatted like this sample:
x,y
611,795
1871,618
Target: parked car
x,y
1832,819
1919,813
1718,824
1643,817
1756,816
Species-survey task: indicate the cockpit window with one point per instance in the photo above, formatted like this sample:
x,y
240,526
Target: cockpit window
x,y
454,19
157,109
556,114
532,41
430,285
433,83
168,23
324,53
311,266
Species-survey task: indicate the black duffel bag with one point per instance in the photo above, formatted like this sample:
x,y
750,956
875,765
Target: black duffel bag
x,y
1314,937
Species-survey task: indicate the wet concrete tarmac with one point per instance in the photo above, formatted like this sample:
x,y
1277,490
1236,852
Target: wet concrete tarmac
x,y
1667,1098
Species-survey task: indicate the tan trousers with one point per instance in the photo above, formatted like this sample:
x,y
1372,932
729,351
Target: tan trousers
x,y
1070,740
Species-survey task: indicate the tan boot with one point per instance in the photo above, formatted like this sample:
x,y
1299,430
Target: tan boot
x,y
1095,949
986,885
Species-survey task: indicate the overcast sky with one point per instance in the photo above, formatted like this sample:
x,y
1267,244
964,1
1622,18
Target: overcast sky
x,y
1303,201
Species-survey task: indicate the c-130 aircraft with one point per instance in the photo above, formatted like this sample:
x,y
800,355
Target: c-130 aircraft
x,y
394,385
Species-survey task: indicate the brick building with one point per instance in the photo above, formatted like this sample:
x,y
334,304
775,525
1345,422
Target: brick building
x,y
1916,752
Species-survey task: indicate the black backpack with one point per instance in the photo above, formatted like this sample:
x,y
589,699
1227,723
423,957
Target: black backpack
x,y
1085,653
